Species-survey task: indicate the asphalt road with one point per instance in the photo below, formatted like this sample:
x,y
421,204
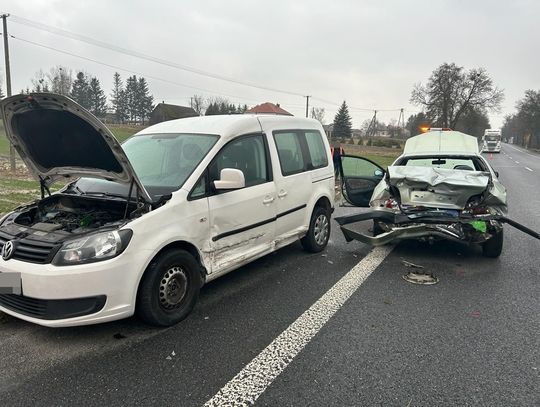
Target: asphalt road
x,y
472,339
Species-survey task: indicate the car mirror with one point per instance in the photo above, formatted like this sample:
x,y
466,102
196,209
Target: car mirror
x,y
230,178
378,173
496,173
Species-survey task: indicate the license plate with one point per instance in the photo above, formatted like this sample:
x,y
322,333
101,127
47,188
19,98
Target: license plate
x,y
10,283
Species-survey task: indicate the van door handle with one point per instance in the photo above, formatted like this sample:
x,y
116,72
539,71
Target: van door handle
x,y
268,200
282,194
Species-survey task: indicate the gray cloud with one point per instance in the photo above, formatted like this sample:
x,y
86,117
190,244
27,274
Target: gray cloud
x,y
369,53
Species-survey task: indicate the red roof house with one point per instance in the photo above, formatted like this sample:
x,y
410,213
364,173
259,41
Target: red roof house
x,y
269,108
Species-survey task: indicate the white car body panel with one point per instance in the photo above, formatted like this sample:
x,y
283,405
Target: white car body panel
x,y
196,223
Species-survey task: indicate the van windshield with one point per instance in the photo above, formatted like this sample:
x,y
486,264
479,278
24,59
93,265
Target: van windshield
x,y
163,162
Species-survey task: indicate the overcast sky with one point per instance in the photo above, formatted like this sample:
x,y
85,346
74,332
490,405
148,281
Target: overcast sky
x,y
369,53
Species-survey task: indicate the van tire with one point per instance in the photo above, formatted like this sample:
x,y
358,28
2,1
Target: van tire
x,y
169,288
318,233
493,246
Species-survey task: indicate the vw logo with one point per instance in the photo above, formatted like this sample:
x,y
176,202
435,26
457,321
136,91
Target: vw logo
x,y
7,250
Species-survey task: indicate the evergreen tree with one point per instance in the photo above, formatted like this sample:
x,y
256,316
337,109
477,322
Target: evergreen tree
x,y
131,98
342,122
212,109
145,100
98,100
80,91
117,99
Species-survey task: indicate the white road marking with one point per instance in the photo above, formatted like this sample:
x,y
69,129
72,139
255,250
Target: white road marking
x,y
517,162
509,157
248,385
527,168
524,152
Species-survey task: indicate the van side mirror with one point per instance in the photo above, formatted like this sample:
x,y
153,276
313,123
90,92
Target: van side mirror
x,y
497,173
230,178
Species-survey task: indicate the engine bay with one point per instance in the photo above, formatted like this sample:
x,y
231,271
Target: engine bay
x,y
72,214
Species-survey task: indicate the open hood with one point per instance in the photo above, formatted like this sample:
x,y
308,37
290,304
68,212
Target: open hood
x,y
440,187
59,140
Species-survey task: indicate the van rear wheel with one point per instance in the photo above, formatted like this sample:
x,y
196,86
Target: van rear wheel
x,y
318,233
169,288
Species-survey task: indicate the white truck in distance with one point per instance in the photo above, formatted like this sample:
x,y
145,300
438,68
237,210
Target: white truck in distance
x,y
491,142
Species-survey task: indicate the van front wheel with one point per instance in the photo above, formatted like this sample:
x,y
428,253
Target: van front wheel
x,y
169,288
318,233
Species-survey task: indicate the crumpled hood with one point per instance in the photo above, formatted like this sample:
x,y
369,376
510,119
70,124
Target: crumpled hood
x,y
443,188
59,140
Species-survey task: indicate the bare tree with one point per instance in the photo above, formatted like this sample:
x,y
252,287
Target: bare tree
x,y
198,103
60,79
451,91
317,113
40,83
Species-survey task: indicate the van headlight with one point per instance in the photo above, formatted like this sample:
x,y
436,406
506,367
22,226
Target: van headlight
x,y
92,248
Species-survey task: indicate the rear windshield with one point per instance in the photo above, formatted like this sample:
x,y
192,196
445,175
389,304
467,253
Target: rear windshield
x,y
463,163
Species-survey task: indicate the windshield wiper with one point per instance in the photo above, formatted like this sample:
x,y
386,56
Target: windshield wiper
x,y
106,194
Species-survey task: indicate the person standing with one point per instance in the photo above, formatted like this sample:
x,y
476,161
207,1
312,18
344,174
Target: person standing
x,y
337,152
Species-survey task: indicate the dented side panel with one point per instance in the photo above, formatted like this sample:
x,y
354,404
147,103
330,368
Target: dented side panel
x,y
242,224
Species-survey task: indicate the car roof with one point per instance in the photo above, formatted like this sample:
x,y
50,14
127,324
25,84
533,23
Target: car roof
x,y
228,126
441,141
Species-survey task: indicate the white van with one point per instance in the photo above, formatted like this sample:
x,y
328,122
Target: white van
x,y
207,195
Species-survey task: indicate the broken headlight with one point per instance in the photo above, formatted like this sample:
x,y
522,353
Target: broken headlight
x,y
92,248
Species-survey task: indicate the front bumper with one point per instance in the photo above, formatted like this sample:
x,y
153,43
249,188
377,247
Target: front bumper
x,y
426,225
75,295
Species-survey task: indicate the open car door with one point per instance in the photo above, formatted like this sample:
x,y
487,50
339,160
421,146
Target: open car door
x,y
360,177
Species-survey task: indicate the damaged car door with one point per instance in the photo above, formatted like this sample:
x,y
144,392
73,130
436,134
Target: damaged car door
x,y
242,218
360,177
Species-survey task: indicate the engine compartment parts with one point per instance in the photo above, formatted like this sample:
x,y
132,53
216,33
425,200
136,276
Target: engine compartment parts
x,y
70,214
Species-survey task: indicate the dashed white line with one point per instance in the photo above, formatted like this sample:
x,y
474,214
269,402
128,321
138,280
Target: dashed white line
x,y
247,386
527,168
522,151
517,162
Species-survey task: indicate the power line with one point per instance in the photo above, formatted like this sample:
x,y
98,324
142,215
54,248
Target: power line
x,y
130,70
137,54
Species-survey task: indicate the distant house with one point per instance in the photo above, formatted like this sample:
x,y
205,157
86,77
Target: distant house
x,y
269,108
163,112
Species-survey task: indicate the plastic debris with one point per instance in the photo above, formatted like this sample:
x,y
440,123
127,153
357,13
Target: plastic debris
x,y
479,225
412,265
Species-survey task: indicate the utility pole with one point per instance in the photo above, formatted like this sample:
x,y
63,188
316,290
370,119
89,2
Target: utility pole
x,y
372,129
401,121
8,82
307,105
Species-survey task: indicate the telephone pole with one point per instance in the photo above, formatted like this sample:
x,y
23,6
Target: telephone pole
x,y
372,129
307,105
8,81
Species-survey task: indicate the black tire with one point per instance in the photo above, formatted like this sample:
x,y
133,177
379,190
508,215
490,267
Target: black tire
x,y
169,288
318,233
493,247
377,230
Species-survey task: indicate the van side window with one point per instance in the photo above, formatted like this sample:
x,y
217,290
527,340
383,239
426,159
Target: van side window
x,y
289,150
247,154
316,149
199,190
